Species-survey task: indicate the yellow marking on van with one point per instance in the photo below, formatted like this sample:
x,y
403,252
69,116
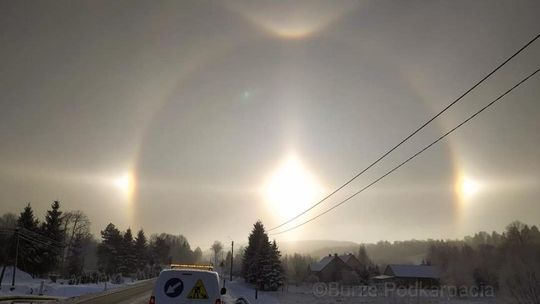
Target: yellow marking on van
x,y
198,292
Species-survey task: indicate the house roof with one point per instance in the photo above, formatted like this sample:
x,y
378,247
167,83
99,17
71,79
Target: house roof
x,y
414,271
318,266
346,257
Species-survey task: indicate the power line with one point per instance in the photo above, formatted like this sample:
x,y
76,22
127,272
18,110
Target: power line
x,y
40,237
408,137
413,156
34,236
39,242
31,239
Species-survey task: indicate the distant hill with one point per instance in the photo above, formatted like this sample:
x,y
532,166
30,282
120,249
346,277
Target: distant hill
x,y
382,253
318,248
406,252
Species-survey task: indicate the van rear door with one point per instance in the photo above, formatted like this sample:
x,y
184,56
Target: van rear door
x,y
187,286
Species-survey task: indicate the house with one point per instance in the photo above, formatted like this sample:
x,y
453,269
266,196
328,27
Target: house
x,y
410,275
330,268
352,262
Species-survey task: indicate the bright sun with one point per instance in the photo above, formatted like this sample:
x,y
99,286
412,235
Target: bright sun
x,y
125,184
467,187
291,189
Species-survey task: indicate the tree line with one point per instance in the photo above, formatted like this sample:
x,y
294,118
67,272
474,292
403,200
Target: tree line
x,y
62,246
508,262
43,247
122,253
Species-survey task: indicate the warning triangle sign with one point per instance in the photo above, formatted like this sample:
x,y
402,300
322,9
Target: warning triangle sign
x,y
198,291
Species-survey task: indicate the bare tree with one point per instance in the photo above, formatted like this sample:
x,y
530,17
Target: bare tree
x,y
76,225
217,247
8,221
521,272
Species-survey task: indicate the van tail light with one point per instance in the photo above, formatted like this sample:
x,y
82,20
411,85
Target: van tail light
x,y
218,301
153,300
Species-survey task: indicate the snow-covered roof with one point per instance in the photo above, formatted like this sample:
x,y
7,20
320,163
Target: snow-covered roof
x,y
346,257
318,266
414,271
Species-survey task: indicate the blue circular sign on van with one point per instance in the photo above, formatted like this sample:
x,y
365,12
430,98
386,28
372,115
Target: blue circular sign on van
x,y
173,287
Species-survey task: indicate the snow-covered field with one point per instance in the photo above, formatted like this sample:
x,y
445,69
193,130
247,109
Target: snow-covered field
x,y
237,289
305,295
26,285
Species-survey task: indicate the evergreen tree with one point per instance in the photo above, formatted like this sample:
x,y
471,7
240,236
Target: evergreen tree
x,y
27,220
367,268
275,274
128,260
29,251
251,262
141,250
52,229
75,260
265,264
260,263
363,256
109,249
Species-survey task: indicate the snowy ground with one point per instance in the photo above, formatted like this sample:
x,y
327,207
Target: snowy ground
x,y
26,285
305,295
237,289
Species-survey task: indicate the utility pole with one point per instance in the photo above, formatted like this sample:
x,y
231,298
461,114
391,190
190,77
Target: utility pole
x,y
232,258
16,259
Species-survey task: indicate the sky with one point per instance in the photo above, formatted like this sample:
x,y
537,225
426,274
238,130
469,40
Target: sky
x,y
201,117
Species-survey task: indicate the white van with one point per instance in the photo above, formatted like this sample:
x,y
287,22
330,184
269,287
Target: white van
x,y
190,286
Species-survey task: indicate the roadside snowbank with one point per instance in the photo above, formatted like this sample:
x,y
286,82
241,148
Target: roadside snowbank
x,y
26,285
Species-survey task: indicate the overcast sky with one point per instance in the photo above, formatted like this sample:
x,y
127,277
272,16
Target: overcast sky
x,y
175,116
